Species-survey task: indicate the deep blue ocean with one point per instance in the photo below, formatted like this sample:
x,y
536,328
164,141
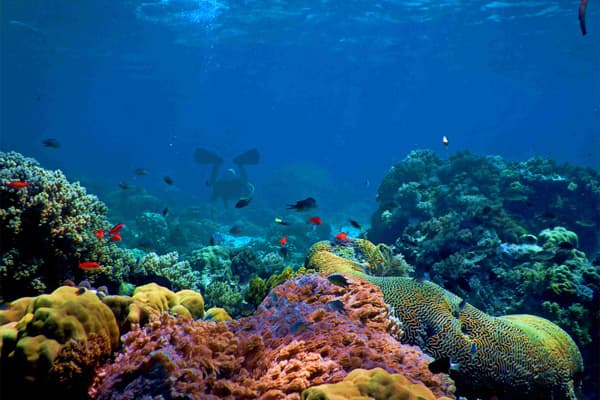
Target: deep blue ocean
x,y
346,88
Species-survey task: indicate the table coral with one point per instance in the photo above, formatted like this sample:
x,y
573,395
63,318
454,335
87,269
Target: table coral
x,y
300,336
375,384
512,357
55,342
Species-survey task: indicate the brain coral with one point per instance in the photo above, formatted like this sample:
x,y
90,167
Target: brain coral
x,y
512,357
306,332
55,341
375,384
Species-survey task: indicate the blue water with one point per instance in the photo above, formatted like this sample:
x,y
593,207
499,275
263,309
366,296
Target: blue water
x,y
345,87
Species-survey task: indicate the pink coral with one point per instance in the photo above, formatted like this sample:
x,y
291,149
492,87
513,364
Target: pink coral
x,y
298,338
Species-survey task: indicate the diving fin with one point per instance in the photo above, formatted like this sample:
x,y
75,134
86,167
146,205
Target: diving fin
x,y
250,157
204,156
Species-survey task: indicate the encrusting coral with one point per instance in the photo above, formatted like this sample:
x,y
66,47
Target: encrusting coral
x,y
512,357
306,332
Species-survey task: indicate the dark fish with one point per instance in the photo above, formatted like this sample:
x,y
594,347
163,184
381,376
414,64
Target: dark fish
x,y
355,224
246,309
165,211
548,215
243,202
235,229
582,7
338,279
462,304
299,327
283,252
123,185
337,305
442,366
141,171
303,205
473,349
81,290
51,142
168,180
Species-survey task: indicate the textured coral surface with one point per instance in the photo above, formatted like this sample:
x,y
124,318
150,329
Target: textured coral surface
x,y
375,384
306,332
56,340
510,357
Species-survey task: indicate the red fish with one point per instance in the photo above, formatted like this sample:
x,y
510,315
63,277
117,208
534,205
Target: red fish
x,y
99,233
89,265
582,7
283,241
116,228
342,237
116,237
17,184
315,220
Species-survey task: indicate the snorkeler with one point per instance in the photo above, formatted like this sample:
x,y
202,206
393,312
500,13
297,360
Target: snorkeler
x,y
233,185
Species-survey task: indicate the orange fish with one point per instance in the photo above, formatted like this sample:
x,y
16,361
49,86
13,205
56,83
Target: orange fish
x,y
315,220
116,237
89,265
17,184
99,233
342,237
283,241
116,228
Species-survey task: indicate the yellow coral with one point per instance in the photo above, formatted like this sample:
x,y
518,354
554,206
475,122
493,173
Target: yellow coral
x,y
517,356
48,323
377,384
217,314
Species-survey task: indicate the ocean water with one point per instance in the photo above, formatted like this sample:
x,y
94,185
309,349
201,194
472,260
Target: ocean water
x,y
331,93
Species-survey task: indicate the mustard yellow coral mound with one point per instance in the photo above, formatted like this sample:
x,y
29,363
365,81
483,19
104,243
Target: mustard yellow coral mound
x,y
378,384
151,300
41,327
512,357
217,314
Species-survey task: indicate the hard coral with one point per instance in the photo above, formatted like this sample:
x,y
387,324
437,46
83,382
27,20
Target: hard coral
x,y
512,357
375,384
300,336
55,342
45,227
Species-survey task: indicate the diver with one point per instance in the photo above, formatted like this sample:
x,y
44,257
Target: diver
x,y
233,185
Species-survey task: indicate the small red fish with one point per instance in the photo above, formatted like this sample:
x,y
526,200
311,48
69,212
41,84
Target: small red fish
x,y
342,237
315,220
89,265
99,233
116,228
283,241
116,237
17,184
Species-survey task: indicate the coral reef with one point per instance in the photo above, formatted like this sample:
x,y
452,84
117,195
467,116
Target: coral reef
x,y
306,332
46,227
512,357
509,237
371,384
52,343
